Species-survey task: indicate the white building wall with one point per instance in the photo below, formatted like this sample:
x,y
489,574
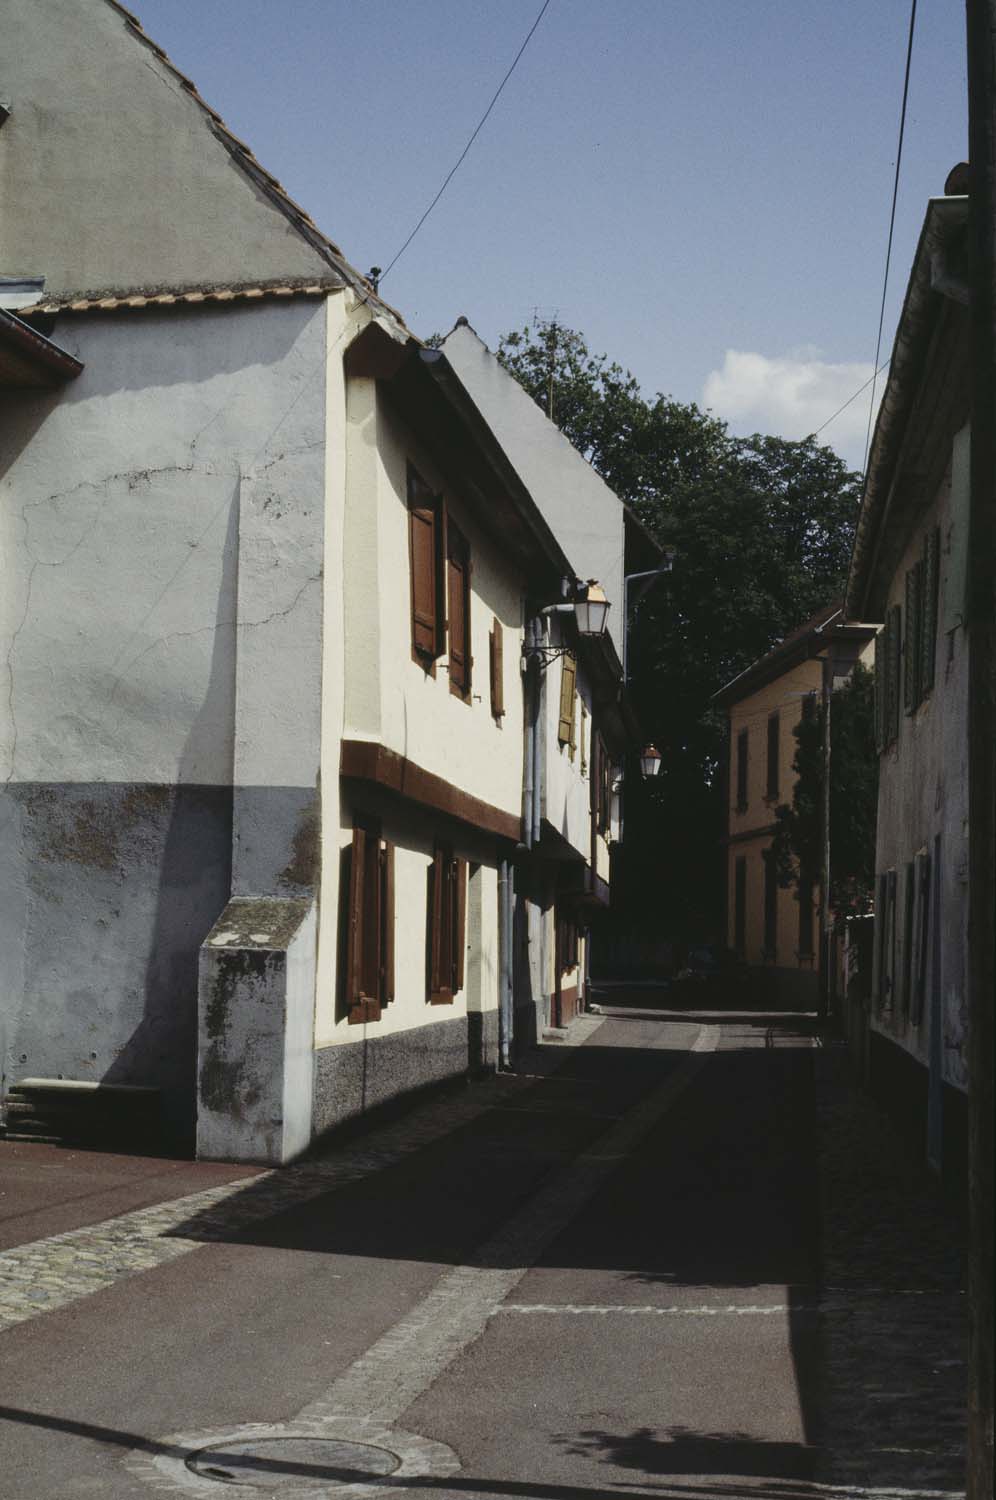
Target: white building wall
x,y
155,669
923,780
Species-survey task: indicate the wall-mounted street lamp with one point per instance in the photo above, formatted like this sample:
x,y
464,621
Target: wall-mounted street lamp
x,y
650,761
590,610
665,566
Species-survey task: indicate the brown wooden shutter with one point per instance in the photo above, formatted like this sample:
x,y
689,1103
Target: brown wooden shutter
x,y
568,676
879,681
364,938
458,585
497,671
583,735
459,922
422,530
354,934
928,647
387,924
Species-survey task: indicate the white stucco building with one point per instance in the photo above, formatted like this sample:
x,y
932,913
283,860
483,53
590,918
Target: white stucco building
x,y
909,573
220,453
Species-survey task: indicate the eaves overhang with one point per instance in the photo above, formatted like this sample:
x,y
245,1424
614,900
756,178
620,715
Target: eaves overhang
x,y
802,644
433,400
28,358
931,282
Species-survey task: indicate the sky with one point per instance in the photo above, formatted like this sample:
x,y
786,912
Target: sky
x,y
700,187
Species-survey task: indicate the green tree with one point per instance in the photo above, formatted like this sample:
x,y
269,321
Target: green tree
x,y
762,531
853,798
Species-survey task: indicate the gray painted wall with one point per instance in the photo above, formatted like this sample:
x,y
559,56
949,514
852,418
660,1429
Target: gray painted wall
x,y
111,175
160,630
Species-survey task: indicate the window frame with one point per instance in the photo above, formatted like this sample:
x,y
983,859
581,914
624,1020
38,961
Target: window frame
x,y
369,977
426,508
446,926
459,569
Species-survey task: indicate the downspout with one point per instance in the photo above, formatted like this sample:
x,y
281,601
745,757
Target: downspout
x,y
504,963
529,753
539,737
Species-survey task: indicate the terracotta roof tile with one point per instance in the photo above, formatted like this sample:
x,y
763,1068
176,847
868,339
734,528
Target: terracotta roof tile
x,y
193,297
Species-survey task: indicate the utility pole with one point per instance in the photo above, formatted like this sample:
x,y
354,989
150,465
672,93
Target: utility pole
x,y
981,628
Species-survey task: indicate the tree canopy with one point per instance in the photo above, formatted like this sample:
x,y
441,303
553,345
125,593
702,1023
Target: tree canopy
x,y
762,530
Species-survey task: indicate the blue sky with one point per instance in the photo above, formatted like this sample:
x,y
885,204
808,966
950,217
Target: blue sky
x,y
701,187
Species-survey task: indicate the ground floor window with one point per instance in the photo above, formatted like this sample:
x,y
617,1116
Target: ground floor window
x,y
446,926
770,953
740,905
369,924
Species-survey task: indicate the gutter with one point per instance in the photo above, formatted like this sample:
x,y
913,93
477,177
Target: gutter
x,y
930,278
54,365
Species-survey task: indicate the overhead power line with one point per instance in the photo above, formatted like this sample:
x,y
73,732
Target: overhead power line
x,y
854,397
480,125
892,225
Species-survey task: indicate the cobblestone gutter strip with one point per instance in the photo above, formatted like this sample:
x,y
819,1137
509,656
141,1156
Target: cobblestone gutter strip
x,y
893,1315
52,1273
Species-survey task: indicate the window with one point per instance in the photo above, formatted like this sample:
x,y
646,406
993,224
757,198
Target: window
x,y
369,981
909,903
885,939
740,905
921,623
458,598
497,672
742,771
888,652
426,555
566,732
804,893
601,772
770,907
446,926
773,749
566,941
921,933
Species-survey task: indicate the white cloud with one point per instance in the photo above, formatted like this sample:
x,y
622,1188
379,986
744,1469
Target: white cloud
x,y
791,396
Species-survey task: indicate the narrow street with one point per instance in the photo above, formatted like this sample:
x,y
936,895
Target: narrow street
x,y
732,1283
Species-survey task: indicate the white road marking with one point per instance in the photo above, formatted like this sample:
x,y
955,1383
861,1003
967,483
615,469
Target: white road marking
x,y
627,1310
367,1400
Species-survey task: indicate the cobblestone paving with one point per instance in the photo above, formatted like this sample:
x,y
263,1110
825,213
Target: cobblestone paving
x,y
47,1274
893,1313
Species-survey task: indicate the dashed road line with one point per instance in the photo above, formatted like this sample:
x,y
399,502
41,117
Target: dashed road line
x,y
375,1391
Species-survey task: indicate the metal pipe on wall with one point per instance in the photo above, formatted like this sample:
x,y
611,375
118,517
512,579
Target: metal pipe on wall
x,y
505,911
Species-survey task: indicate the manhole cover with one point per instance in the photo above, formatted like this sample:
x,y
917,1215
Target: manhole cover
x,y
270,1463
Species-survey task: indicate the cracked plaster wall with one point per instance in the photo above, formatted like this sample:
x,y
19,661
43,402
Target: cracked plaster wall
x,y
162,524
923,783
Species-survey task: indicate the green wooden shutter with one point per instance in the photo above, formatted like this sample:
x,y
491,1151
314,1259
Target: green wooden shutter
x,y
879,679
893,654
928,627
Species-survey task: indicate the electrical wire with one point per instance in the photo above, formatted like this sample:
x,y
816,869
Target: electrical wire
x,y
480,125
892,225
847,403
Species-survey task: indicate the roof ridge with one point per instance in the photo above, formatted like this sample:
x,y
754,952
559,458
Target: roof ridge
x,y
245,158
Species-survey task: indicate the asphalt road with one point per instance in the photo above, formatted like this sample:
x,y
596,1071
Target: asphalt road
x,y
601,1282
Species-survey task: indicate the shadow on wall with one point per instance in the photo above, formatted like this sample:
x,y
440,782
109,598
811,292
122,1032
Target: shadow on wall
x,y
194,877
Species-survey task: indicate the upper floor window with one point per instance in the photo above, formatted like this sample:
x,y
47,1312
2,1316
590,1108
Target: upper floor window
x,y
773,755
921,624
427,559
567,724
888,653
742,771
458,599
497,671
